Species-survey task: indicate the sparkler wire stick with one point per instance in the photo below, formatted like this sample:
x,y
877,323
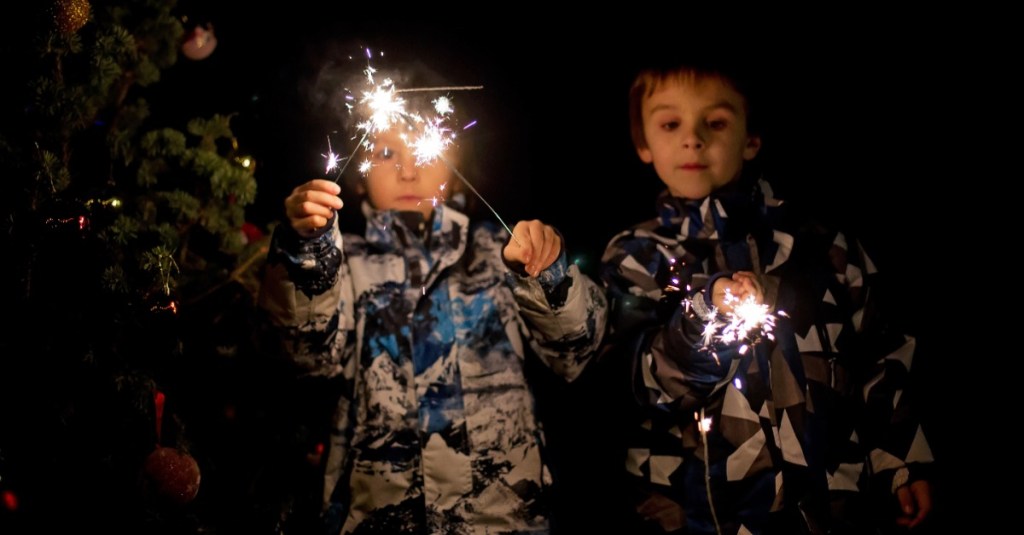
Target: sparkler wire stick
x,y
703,425
351,155
441,88
481,197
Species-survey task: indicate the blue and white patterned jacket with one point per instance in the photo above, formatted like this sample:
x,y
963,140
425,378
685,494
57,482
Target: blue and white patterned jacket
x,y
813,414
436,432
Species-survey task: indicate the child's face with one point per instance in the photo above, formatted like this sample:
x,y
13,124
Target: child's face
x,y
395,182
696,134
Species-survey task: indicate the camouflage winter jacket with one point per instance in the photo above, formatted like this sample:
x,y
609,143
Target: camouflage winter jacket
x,y
814,412
436,432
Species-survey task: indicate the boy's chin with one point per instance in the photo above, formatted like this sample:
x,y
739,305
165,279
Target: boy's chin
x,y
691,191
697,189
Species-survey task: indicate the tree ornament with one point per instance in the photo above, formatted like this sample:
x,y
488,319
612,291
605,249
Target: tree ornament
x,y
64,218
111,203
70,15
169,475
246,161
251,233
199,43
163,305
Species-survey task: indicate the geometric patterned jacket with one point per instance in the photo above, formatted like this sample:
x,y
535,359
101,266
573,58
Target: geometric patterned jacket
x,y
436,431
812,415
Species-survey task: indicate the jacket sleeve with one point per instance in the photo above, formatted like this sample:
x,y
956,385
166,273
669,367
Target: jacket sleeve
x,y
889,432
652,324
306,300
565,312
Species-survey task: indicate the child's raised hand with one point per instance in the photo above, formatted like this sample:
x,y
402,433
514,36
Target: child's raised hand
x,y
311,206
535,245
741,285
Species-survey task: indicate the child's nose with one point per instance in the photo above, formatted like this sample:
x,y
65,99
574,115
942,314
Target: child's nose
x,y
407,169
692,139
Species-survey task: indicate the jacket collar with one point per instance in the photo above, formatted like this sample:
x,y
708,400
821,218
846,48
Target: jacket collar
x,y
393,231
725,214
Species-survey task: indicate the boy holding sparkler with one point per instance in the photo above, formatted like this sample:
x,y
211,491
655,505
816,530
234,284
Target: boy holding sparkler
x,y
430,320
772,430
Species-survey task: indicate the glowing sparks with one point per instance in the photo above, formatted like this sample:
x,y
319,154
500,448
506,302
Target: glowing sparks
x,y
385,107
428,135
431,143
443,106
703,424
332,158
381,109
748,320
747,323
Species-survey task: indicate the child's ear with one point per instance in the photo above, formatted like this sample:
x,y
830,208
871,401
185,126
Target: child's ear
x,y
645,154
753,145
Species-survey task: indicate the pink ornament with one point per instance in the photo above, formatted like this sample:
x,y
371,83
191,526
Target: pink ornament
x,y
199,43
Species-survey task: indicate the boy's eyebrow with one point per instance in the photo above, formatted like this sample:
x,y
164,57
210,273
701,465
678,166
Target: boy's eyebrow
x,y
722,104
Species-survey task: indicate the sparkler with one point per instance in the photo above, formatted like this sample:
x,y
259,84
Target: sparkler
x,y
748,322
704,425
382,108
332,159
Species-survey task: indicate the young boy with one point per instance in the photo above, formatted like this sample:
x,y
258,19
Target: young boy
x,y
429,320
767,433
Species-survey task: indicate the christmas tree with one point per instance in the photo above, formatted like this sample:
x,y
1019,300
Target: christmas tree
x,y
129,269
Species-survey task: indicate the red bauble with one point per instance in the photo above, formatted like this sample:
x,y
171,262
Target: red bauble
x,y
171,475
199,43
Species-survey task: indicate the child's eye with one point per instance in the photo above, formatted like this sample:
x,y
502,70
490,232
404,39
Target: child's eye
x,y
384,154
669,125
717,124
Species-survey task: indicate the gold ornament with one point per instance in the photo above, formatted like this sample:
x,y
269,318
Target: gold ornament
x,y
70,15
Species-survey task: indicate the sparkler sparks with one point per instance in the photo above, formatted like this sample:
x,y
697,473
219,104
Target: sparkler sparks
x,y
748,322
332,159
748,319
380,109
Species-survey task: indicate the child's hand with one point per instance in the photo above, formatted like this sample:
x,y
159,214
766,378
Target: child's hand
x,y
915,501
742,285
311,206
535,245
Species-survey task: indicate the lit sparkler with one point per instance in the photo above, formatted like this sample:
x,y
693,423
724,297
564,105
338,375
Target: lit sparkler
x,y
704,425
748,322
332,159
381,109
